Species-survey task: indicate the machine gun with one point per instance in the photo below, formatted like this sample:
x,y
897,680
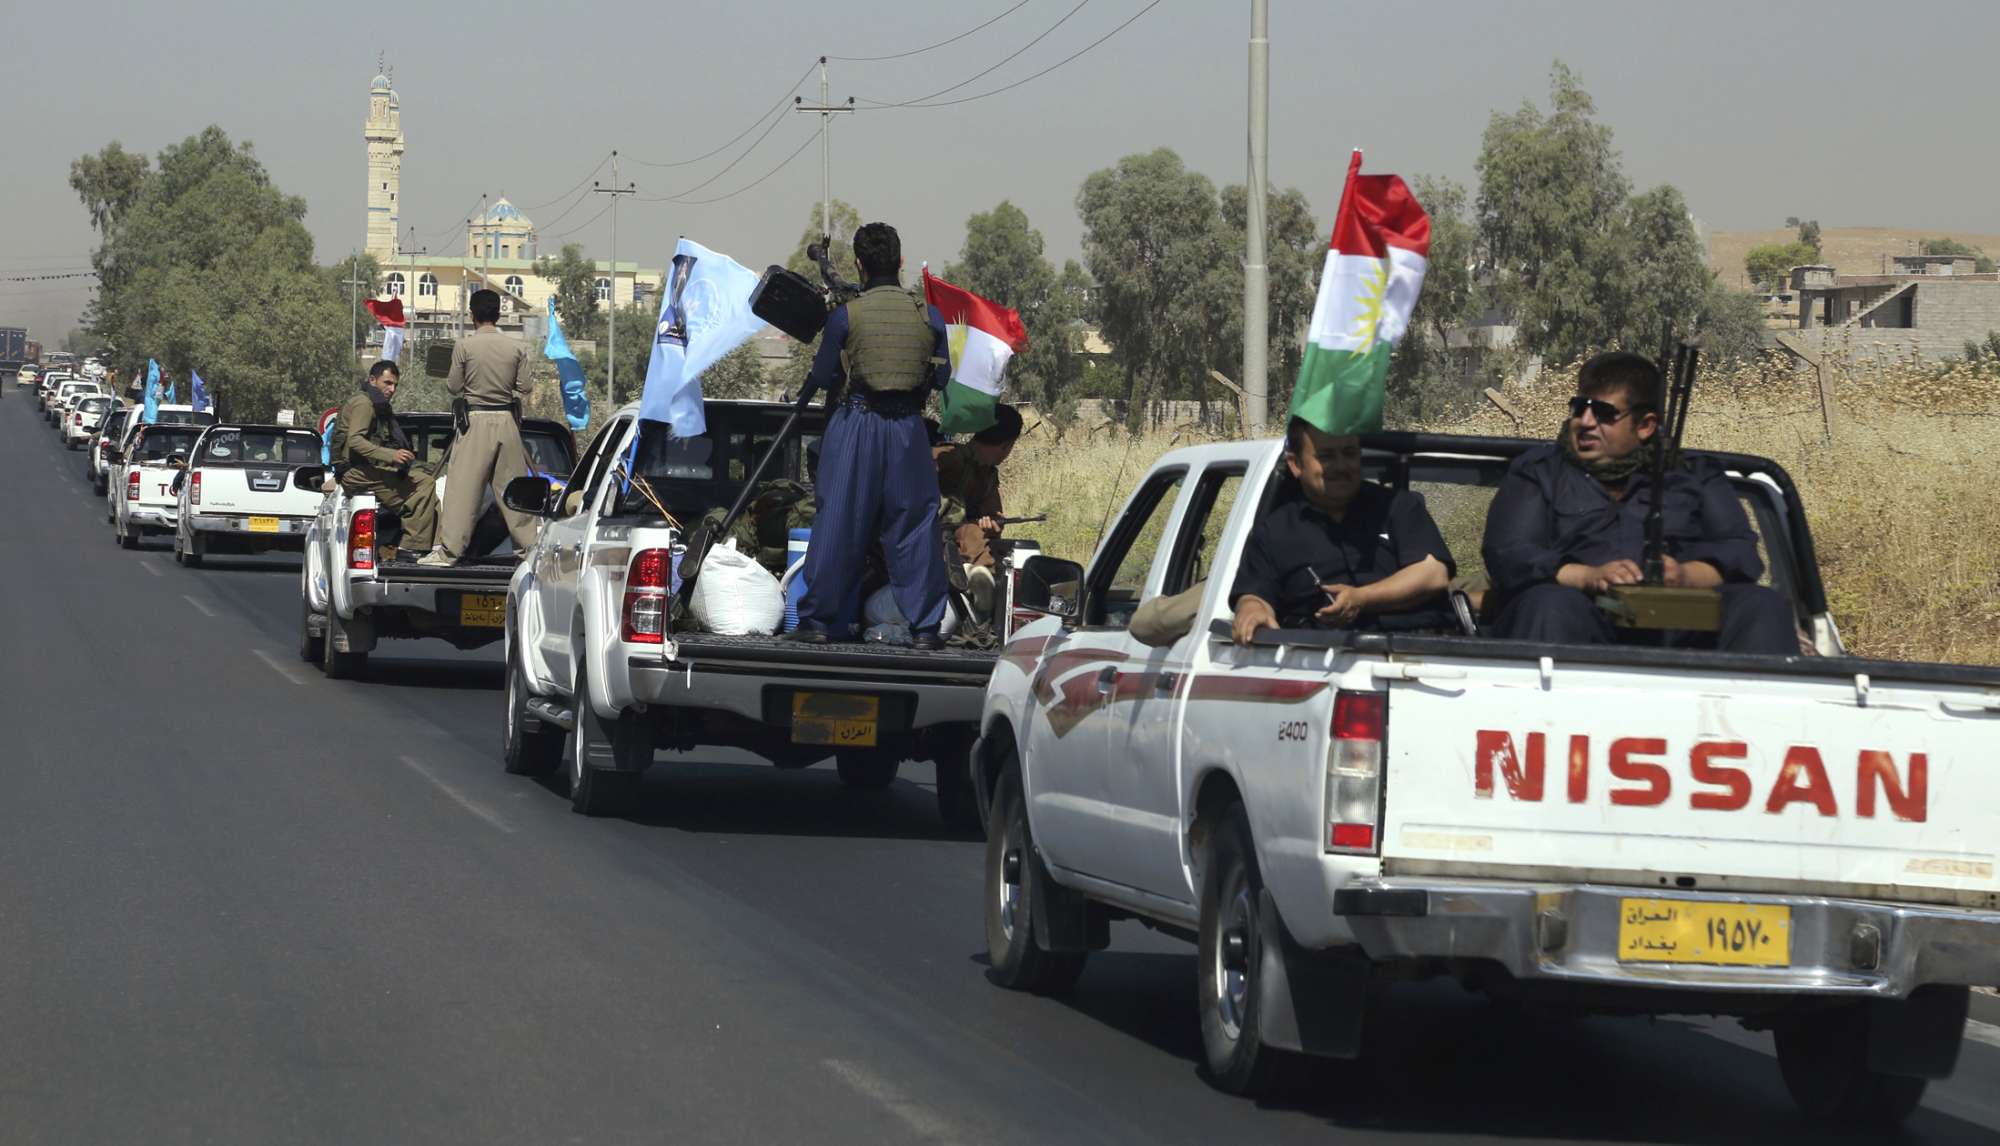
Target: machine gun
x,y
1652,604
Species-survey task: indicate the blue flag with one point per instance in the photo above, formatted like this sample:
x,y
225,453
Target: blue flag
x,y
170,391
151,413
576,402
202,402
704,314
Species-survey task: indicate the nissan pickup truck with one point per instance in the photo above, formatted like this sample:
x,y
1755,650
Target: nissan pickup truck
x,y
596,657
236,494
1805,843
350,599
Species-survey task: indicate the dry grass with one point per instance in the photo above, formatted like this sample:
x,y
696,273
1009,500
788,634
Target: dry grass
x,y
1902,506
1851,250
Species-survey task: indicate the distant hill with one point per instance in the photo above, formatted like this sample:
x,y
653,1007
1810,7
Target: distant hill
x,y
1851,250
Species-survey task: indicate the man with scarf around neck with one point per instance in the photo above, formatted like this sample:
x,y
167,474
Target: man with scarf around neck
x,y
1569,522
371,454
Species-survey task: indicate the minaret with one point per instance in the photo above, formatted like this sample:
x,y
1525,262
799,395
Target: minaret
x,y
384,133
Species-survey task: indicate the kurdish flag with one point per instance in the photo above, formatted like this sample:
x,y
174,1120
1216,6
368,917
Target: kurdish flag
x,y
1381,243
983,335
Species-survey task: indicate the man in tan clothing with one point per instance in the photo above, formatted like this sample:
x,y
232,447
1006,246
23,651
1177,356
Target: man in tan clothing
x,y
489,372
371,454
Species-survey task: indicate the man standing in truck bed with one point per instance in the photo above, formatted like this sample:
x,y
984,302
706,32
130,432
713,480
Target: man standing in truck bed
x,y
489,374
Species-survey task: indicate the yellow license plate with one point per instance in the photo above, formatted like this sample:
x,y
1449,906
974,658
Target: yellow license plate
x,y
836,718
1690,931
263,525
483,610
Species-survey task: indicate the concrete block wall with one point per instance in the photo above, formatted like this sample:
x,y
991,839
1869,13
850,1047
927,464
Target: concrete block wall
x,y
1949,314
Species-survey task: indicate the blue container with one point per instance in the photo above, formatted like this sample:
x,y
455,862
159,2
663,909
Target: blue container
x,y
795,548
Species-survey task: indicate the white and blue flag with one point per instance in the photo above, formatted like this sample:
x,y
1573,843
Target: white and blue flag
x,y
151,411
203,403
704,314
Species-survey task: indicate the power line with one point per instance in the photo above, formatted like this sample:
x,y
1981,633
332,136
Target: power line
x,y
782,164
1045,71
931,47
739,135
47,276
581,196
977,75
572,190
582,225
675,196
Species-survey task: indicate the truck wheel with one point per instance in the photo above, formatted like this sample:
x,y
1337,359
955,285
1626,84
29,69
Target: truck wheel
x,y
127,539
336,664
311,649
1824,1058
1231,948
958,804
867,770
527,751
1017,961
595,791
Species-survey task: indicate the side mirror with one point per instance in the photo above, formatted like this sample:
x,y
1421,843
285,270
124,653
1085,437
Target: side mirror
x,y
528,493
1050,585
311,478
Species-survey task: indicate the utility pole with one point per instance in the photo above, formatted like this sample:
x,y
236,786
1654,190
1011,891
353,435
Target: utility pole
x,y
464,281
410,283
354,284
1256,272
826,113
611,329
486,253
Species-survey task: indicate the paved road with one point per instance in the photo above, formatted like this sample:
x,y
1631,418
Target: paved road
x,y
240,903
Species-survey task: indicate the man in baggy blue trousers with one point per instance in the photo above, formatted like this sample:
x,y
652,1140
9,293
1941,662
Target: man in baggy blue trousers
x,y
876,477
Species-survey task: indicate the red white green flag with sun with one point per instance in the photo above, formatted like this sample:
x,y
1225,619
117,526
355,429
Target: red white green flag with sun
x,y
1381,243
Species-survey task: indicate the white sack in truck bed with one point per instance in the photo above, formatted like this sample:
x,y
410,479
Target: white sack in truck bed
x,y
735,596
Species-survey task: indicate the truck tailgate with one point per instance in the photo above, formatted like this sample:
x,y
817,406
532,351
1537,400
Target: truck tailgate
x,y
254,490
1694,778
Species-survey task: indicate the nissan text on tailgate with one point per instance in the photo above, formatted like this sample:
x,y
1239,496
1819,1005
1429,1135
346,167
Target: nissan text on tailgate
x,y
1804,842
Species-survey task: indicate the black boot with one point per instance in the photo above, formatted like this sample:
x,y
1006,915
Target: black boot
x,y
927,641
807,636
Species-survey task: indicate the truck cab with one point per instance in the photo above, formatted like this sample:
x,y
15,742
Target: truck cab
x,y
145,500
236,494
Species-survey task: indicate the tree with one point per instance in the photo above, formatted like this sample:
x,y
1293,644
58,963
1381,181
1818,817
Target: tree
x,y
576,292
1980,263
1768,263
1808,235
1422,375
343,277
205,264
1150,238
739,374
1002,260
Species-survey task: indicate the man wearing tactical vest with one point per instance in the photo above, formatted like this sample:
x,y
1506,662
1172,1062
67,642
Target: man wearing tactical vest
x,y
876,478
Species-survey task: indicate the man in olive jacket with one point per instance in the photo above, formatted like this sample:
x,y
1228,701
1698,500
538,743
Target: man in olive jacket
x,y
489,371
371,455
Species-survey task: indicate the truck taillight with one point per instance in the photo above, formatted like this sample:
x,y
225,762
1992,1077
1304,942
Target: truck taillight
x,y
1354,772
645,611
361,540
132,486
194,488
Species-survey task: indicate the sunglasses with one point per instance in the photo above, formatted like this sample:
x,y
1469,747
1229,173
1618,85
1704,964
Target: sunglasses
x,y
1606,413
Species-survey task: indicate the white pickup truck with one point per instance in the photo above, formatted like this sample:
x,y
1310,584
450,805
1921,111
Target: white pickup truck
x,y
349,600
594,652
145,501
236,494
1806,843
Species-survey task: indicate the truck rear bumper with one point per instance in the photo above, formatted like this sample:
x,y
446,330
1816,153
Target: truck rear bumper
x,y
1572,933
293,528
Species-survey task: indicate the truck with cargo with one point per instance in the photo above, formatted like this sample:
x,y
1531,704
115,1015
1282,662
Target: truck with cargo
x,y
1806,843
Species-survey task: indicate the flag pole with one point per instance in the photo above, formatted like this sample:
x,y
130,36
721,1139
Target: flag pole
x,y
1256,272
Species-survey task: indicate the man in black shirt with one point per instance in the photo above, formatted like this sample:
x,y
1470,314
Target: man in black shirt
x,y
1569,521
1340,553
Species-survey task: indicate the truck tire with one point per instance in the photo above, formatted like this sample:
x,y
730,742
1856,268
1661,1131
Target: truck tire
x,y
867,770
527,751
127,539
595,791
1824,1058
1231,948
1016,961
311,649
958,804
336,664
186,554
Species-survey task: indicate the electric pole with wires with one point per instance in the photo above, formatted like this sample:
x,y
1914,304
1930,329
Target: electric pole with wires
x,y
611,300
826,112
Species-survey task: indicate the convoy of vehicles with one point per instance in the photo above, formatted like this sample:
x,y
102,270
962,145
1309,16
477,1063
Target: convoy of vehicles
x,y
1803,843
84,419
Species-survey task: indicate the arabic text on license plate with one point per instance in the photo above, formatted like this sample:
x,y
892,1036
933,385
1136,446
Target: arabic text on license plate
x,y
263,525
1695,931
483,610
836,718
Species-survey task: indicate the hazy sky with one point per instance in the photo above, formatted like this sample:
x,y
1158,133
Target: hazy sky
x,y
1851,113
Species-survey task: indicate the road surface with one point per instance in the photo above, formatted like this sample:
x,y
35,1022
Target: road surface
x,y
240,903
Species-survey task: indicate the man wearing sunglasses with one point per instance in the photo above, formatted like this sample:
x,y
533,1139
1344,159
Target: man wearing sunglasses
x,y
1569,522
